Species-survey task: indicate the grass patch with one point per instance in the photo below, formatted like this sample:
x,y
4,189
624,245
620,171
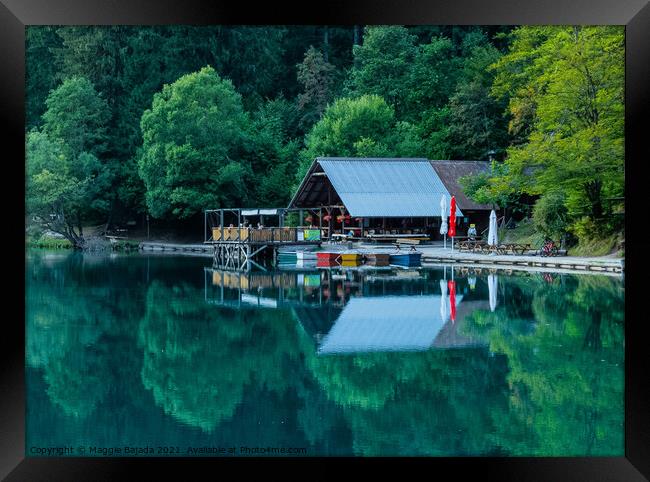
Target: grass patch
x,y
49,242
523,233
122,245
596,247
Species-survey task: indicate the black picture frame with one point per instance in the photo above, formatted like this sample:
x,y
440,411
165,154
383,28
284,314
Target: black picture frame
x,y
634,14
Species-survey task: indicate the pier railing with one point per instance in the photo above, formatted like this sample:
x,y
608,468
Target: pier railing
x,y
264,235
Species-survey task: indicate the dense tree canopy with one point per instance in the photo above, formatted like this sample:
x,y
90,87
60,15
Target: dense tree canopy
x,y
183,118
67,183
363,126
566,90
193,140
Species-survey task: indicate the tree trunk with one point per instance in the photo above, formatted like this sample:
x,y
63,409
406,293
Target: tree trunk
x,y
326,44
78,241
593,190
357,35
110,218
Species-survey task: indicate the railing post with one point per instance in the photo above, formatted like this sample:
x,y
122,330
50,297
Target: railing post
x,y
221,216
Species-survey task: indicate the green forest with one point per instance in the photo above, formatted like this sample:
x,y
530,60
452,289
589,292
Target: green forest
x,y
126,122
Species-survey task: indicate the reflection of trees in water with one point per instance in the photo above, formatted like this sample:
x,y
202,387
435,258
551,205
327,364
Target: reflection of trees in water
x,y
566,374
78,381
436,402
204,365
65,323
198,358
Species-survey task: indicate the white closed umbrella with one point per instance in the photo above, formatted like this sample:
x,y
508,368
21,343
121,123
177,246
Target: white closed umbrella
x,y
443,300
492,230
443,219
492,288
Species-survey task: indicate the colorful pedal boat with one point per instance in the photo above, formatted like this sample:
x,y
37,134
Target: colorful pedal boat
x,y
406,259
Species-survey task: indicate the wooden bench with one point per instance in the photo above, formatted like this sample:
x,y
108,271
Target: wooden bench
x,y
483,247
408,241
515,248
398,245
471,246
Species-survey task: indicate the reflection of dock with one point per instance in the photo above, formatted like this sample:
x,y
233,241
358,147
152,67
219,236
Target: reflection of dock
x,y
351,311
278,289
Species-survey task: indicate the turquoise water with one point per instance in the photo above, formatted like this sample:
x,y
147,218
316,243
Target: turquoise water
x,y
161,355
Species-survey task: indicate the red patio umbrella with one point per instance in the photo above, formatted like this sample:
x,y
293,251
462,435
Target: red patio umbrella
x,y
452,217
451,284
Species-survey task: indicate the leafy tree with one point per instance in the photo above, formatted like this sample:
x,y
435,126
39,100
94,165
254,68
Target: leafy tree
x,y
82,128
566,83
383,62
359,126
67,184
273,148
316,77
40,71
549,215
61,192
193,135
476,129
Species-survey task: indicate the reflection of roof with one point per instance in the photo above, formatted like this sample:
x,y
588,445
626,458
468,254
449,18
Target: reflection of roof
x,y
449,336
386,323
450,171
317,321
375,187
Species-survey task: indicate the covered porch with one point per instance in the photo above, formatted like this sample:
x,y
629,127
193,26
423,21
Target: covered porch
x,y
375,199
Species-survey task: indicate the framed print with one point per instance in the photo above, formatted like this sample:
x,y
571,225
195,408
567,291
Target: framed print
x,y
367,231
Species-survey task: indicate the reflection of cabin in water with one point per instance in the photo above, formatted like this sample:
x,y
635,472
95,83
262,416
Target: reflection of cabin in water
x,y
347,312
389,323
392,196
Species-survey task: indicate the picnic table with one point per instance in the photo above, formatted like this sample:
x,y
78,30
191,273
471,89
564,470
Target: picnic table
x,y
471,245
482,247
414,238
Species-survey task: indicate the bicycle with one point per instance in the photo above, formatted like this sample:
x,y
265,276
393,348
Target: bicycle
x,y
549,248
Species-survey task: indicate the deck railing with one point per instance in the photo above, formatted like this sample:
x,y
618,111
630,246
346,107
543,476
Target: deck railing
x,y
248,281
262,235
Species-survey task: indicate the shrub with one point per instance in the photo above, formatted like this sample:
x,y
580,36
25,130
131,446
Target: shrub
x,y
550,215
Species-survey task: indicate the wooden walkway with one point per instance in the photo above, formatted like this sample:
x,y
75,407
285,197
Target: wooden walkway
x,y
171,247
554,263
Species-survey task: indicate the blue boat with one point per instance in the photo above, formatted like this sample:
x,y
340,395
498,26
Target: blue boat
x,y
406,259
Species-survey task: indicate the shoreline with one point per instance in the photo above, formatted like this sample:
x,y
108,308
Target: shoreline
x,y
438,256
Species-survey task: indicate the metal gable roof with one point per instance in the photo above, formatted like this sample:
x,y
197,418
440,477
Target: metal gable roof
x,y
386,187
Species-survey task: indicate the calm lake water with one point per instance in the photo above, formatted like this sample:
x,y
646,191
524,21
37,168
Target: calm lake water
x,y
162,352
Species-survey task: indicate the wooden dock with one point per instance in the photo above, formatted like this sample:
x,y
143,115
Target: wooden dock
x,y
235,248
567,264
171,247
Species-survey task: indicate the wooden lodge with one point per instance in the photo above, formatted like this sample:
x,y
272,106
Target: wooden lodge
x,y
387,198
376,199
